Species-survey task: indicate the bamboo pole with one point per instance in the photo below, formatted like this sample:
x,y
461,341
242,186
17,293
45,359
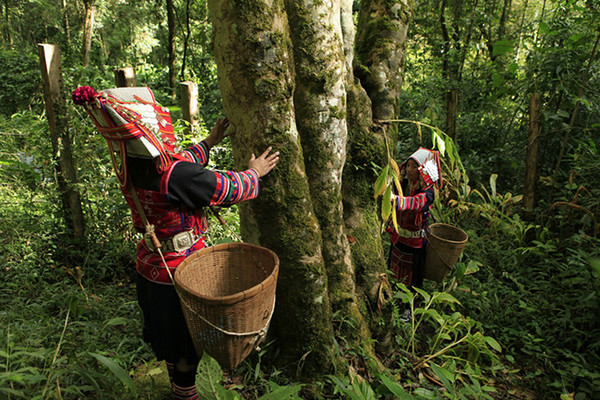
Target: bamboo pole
x,y
56,113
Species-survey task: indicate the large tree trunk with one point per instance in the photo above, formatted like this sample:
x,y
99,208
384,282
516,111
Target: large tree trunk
x,y
286,78
252,49
320,105
380,49
88,28
361,220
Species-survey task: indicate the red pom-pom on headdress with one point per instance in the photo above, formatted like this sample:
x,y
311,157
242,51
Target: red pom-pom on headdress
x,y
84,95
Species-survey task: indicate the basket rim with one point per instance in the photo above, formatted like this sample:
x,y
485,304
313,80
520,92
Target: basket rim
x,y
466,236
270,280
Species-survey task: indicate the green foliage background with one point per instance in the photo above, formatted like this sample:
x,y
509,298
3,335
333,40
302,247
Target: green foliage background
x,y
524,296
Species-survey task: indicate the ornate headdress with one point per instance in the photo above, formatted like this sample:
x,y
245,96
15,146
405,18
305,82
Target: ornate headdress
x,y
132,123
429,166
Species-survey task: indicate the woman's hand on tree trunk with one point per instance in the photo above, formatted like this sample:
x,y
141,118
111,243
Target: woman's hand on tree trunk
x,y
264,163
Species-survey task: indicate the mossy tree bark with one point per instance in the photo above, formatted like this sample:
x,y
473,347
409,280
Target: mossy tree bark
x,y
320,104
380,49
253,53
285,72
365,147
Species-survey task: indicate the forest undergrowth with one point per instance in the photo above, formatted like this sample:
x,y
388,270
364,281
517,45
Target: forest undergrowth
x,y
517,318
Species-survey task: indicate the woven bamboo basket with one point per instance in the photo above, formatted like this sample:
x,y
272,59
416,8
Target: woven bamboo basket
x,y
227,294
445,244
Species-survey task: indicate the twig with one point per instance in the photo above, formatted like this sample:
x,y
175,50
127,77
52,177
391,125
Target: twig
x,y
439,353
432,379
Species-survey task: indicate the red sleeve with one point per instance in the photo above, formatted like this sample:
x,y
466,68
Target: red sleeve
x,y
419,202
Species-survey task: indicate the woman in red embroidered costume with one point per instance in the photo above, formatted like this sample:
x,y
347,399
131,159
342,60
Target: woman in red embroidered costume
x,y
166,188
418,174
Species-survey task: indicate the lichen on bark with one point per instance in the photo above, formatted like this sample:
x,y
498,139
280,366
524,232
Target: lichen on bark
x,y
252,48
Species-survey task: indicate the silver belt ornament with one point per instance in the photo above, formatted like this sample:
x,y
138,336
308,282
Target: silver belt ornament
x,y
177,243
407,234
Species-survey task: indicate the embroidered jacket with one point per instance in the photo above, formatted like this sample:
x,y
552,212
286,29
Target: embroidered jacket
x,y
411,214
172,184
172,201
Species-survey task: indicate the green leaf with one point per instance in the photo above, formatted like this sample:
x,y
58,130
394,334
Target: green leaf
x,y
502,47
472,267
423,293
493,179
445,376
209,378
444,297
394,218
362,391
428,394
12,392
119,372
497,79
432,314
438,141
396,389
595,264
116,321
386,204
281,392
459,270
493,343
381,181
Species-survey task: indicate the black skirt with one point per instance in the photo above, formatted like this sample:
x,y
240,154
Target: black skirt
x,y
407,264
164,324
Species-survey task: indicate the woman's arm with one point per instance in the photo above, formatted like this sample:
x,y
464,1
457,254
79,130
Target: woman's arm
x,y
419,202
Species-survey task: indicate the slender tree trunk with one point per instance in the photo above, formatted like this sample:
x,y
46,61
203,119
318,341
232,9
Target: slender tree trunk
x,y
533,147
255,71
7,30
66,26
88,30
186,41
171,47
451,112
451,65
56,113
503,18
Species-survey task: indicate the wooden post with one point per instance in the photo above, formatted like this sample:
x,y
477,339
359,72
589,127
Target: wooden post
x,y
189,103
125,77
56,113
533,147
